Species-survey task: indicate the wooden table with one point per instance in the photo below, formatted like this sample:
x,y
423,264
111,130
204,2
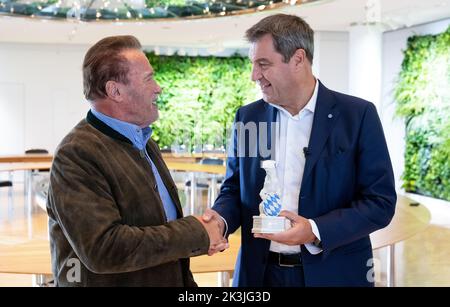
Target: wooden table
x,y
26,158
168,156
24,166
191,158
408,220
195,167
33,256
176,166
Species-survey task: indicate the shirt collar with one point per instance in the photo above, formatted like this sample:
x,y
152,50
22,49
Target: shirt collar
x,y
137,135
310,105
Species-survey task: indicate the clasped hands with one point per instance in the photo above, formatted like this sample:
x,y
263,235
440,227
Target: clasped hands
x,y
215,227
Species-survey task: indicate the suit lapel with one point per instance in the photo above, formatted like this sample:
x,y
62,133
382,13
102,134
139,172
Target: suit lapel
x,y
270,118
325,116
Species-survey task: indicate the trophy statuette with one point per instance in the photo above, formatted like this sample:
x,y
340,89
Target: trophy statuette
x,y
268,220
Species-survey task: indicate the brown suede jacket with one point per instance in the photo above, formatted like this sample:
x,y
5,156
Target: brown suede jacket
x,y
106,220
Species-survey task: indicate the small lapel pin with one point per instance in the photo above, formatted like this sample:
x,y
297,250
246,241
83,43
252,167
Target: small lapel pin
x,y
330,115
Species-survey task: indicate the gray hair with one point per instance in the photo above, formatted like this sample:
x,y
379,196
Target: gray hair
x,y
289,33
104,62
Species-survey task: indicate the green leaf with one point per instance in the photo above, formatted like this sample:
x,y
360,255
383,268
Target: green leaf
x,y
423,99
200,98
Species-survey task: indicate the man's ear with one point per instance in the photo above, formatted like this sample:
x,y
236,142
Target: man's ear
x,y
299,58
113,90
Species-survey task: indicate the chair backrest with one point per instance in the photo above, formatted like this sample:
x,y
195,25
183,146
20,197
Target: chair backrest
x,y
206,151
36,151
5,184
212,161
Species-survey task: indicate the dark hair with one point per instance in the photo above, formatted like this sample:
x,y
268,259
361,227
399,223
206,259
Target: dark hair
x,y
103,62
289,33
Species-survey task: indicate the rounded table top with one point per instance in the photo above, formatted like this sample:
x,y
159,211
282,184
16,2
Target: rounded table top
x,y
407,221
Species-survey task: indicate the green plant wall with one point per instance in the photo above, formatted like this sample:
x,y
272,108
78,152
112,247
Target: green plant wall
x,y
423,99
200,98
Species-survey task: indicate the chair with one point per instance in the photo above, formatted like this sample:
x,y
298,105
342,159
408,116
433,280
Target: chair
x,y
5,183
211,161
214,180
200,187
205,182
41,192
29,176
8,184
36,151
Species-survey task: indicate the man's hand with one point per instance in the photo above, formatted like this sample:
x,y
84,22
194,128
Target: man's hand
x,y
210,215
299,233
214,226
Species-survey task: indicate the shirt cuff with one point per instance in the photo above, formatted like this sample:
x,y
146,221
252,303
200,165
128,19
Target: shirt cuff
x,y
312,249
226,226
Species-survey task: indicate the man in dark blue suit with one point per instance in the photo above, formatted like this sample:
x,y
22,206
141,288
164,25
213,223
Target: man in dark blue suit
x,y
333,166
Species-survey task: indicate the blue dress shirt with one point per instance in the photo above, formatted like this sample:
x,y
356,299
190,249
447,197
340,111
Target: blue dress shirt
x,y
139,138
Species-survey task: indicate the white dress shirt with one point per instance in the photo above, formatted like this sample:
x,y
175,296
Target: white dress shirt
x,y
293,133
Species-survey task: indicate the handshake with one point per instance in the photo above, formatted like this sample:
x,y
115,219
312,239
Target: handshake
x,y
215,227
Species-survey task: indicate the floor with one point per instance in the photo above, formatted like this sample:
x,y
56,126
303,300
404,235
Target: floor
x,y
423,260
420,261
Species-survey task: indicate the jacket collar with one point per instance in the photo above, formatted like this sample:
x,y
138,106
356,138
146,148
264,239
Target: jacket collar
x,y
325,118
105,129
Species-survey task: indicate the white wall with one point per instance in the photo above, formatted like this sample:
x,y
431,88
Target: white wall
x,y
331,59
393,45
41,96
12,117
41,92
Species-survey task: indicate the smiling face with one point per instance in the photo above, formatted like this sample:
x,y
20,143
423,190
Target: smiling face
x,y
141,92
275,77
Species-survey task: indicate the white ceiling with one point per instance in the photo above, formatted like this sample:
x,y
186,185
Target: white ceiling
x,y
222,32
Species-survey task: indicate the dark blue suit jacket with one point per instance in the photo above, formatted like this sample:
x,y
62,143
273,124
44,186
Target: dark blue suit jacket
x,y
347,189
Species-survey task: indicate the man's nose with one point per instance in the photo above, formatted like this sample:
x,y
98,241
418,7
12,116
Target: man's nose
x,y
158,89
256,73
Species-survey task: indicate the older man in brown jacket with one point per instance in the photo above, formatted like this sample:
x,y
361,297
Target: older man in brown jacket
x,y
114,214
